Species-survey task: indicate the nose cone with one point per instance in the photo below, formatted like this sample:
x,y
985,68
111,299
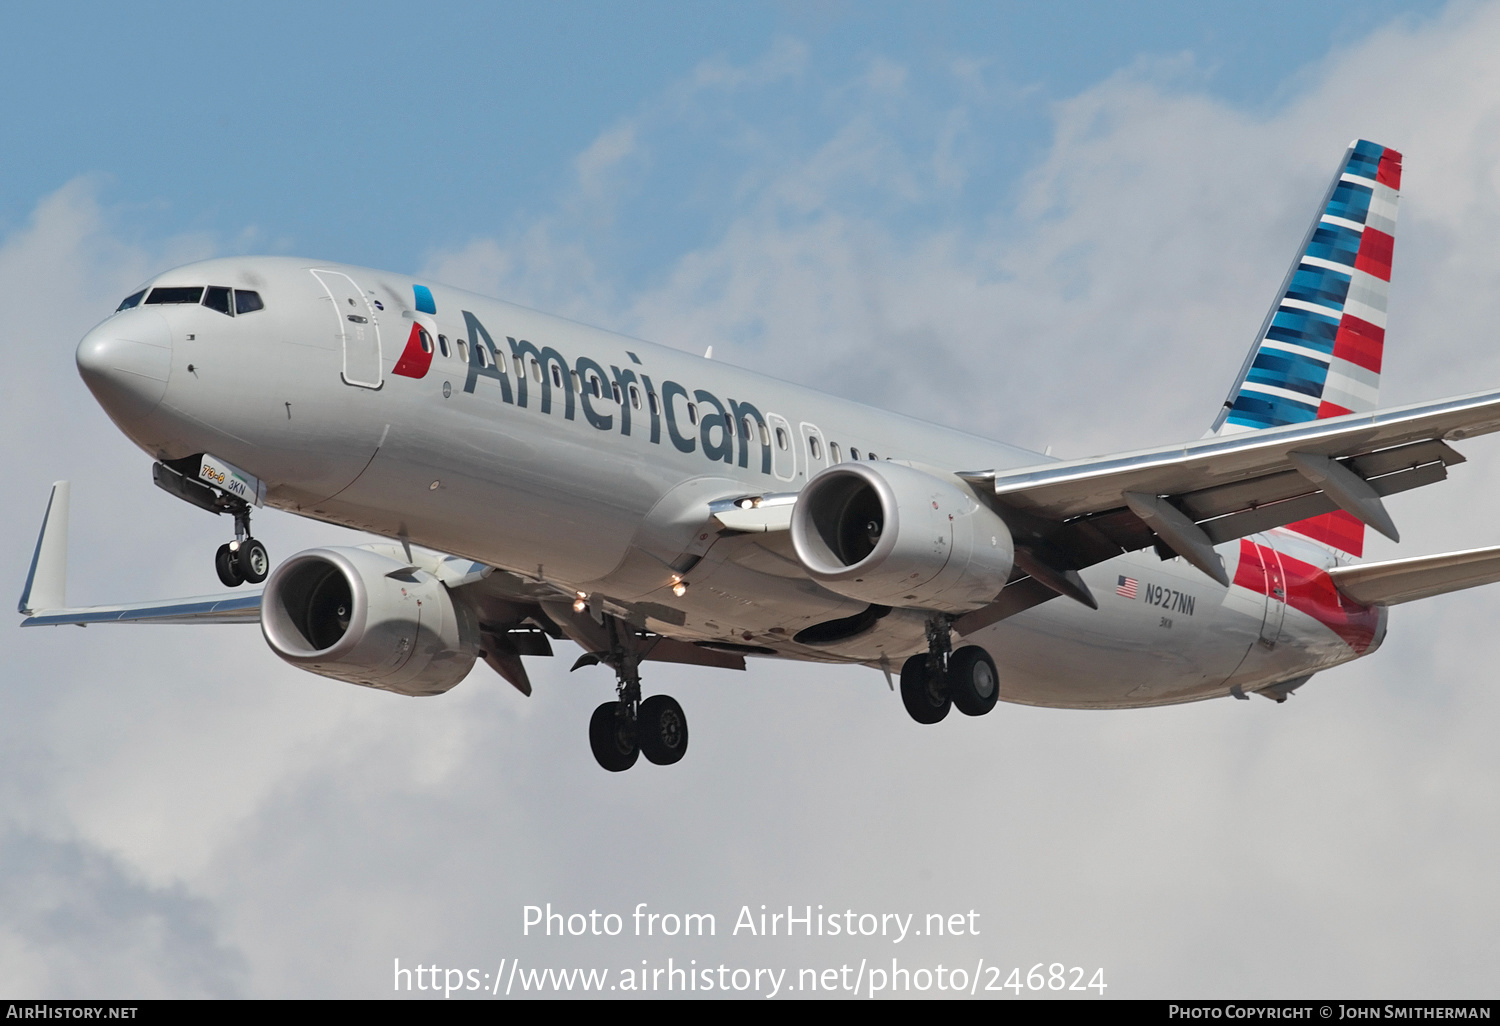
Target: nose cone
x,y
126,361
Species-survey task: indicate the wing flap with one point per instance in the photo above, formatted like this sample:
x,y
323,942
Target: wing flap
x,y
1395,581
1254,519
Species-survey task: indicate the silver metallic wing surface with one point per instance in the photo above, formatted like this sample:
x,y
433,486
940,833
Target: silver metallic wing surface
x,y
235,608
1238,485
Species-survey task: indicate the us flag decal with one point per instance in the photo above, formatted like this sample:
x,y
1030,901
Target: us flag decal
x,y
1127,587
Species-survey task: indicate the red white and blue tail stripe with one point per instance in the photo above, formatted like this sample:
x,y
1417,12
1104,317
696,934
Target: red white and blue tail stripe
x,y
1319,350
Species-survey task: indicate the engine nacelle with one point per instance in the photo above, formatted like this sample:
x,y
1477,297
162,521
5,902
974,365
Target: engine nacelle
x,y
893,535
361,617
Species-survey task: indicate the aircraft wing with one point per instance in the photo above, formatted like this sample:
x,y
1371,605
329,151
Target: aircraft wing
x,y
227,608
1192,496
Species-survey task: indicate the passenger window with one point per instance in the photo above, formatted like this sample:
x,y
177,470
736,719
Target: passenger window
x,y
181,294
556,376
651,398
814,448
729,426
443,345
422,335
692,413
781,442
577,384
834,453
463,350
765,436
614,391
481,356
216,298
853,453
498,360
133,299
249,302
520,371
873,456
635,396
536,371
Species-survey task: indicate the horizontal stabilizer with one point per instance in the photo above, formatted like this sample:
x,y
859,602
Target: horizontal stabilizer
x,y
1405,580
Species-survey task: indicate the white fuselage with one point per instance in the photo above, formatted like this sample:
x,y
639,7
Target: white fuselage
x,y
500,451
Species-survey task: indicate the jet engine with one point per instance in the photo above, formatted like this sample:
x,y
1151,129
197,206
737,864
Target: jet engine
x,y
361,617
892,535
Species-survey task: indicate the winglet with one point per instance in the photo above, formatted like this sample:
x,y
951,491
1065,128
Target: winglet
x,y
46,583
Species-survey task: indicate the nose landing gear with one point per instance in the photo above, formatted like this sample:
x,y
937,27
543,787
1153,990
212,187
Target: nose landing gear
x,y
245,558
236,562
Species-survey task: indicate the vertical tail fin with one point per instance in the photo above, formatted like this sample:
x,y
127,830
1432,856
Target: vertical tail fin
x,y
1318,352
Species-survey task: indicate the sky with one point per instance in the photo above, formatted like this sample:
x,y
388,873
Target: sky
x,y
1057,226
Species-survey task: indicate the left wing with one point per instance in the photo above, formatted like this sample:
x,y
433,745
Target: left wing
x,y
44,599
201,609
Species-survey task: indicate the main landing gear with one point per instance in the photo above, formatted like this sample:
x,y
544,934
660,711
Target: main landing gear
x,y
622,730
245,558
933,682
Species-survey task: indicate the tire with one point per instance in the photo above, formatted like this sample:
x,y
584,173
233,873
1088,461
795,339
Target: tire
x,y
224,564
925,702
252,561
612,738
662,730
973,683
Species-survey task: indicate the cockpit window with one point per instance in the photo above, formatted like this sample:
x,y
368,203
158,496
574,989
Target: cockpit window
x,y
181,294
133,299
247,302
217,298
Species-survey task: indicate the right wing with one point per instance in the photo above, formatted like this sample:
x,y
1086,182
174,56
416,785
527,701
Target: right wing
x,y
1192,496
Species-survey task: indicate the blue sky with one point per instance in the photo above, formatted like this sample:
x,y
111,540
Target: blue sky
x,y
375,133
1052,224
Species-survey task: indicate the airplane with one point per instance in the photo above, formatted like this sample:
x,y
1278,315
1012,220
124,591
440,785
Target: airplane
x,y
536,480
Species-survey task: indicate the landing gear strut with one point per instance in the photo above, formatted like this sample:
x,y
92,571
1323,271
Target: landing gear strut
x,y
622,730
245,558
935,681
236,562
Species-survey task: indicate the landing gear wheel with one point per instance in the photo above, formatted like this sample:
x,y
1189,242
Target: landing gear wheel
x,y
612,737
252,562
662,730
225,564
973,683
923,693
